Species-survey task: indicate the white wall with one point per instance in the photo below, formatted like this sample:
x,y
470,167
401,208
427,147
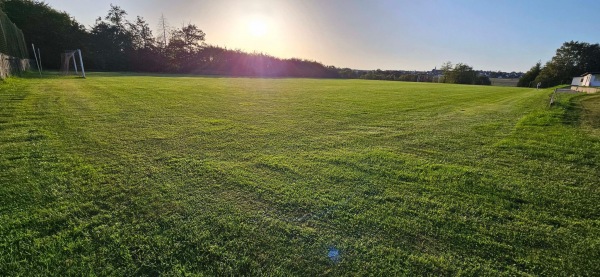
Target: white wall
x,y
586,80
595,80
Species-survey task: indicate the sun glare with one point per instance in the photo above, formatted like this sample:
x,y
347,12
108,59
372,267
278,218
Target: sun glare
x,y
259,33
257,28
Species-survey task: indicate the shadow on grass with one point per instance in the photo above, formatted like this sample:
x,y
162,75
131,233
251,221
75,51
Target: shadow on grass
x,y
580,108
58,75
573,110
45,75
101,74
590,106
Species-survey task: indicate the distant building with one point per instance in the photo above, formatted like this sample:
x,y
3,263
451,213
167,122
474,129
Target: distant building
x,y
586,82
588,79
436,72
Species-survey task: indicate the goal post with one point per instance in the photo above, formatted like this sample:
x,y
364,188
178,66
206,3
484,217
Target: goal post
x,y
81,63
68,57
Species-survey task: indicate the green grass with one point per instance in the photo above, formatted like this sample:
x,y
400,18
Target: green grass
x,y
504,82
173,175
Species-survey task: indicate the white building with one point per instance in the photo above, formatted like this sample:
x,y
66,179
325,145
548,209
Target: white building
x,y
590,79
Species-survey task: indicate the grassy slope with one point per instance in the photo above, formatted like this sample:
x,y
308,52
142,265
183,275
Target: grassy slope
x,y
132,175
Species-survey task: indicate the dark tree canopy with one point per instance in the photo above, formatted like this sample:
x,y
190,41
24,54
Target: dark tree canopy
x,y
572,59
115,44
527,80
111,42
463,74
48,29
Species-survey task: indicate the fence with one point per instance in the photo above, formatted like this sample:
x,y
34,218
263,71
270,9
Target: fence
x,y
14,57
12,41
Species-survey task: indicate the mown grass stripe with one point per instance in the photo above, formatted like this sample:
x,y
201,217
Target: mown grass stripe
x,y
126,174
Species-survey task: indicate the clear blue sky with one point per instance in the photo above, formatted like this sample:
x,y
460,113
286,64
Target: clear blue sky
x,y
402,34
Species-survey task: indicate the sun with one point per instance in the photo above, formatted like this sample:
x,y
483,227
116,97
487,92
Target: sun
x,y
257,28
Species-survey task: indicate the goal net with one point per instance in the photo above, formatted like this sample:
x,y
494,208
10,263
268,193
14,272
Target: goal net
x,y
72,63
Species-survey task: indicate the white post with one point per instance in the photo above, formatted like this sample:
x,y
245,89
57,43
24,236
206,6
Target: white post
x,y
74,63
81,62
36,59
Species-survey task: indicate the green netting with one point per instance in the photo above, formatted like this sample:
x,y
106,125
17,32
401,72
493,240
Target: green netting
x,y
12,41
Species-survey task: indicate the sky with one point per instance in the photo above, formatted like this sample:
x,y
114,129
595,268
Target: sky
x,y
509,35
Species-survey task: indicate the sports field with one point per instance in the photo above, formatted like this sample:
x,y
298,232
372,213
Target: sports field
x,y
505,82
145,175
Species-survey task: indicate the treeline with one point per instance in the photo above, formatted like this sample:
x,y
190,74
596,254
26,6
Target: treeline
x,y
572,59
392,75
460,73
116,44
463,74
387,75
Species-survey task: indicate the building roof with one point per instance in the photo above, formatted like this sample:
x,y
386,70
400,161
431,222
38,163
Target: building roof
x,y
593,73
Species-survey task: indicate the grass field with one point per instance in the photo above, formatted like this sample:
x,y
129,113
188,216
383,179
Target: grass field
x,y
145,175
504,82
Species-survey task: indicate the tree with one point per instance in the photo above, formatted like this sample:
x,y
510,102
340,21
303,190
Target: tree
x,y
189,38
571,59
459,74
463,74
141,34
112,42
184,45
116,16
145,56
530,76
483,81
116,44
120,34
163,30
446,68
347,73
50,30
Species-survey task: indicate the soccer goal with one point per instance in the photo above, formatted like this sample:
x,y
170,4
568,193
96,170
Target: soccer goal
x,y
68,57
